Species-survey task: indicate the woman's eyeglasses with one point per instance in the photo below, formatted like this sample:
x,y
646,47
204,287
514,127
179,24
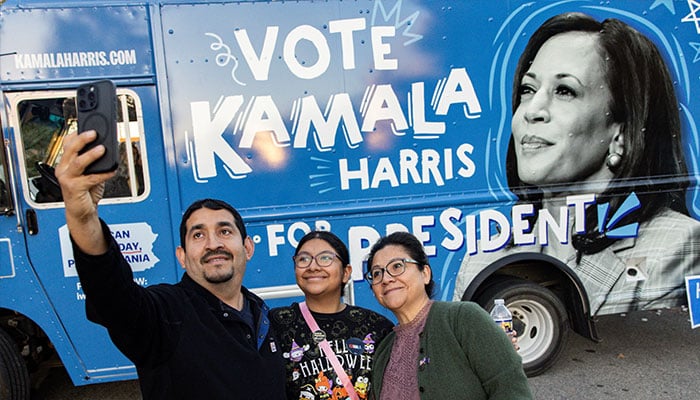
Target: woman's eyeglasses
x,y
323,259
395,267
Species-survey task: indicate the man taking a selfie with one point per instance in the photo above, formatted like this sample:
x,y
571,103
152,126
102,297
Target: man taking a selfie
x,y
205,337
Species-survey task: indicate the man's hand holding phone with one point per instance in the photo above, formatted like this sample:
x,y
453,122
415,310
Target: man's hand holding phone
x,y
81,191
90,157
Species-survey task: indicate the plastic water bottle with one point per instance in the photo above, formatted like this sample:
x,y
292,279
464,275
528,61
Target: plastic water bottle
x,y
501,316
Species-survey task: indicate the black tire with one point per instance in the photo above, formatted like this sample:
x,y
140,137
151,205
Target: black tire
x,y
14,377
539,318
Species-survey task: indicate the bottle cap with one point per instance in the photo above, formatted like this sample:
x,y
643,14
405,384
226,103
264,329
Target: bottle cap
x,y
499,301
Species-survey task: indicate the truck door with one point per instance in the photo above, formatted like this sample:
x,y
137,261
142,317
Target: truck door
x,y
134,207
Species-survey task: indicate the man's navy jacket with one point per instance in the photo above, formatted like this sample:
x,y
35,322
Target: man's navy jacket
x,y
184,344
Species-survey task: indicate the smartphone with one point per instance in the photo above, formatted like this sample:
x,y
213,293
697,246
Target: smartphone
x,y
96,105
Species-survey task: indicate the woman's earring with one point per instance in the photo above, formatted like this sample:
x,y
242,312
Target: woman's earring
x,y
613,161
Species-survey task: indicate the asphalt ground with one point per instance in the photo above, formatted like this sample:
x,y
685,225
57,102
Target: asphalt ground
x,y
644,355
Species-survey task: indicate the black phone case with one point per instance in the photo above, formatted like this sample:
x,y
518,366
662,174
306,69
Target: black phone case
x,y
96,104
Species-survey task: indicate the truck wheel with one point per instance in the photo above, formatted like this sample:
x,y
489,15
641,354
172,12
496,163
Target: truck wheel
x,y
539,318
14,377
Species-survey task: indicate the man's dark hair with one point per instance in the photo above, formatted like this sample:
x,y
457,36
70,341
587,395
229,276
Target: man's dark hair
x,y
210,204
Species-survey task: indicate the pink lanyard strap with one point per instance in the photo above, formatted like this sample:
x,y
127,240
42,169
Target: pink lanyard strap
x,y
326,347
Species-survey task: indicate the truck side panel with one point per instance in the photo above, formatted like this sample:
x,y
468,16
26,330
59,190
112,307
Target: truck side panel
x,y
363,117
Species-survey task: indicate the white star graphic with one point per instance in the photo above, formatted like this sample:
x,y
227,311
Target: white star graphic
x,y
694,6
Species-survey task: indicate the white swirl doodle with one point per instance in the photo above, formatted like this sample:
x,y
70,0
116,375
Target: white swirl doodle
x,y
223,58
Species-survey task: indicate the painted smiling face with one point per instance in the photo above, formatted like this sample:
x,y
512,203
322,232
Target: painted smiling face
x,y
562,128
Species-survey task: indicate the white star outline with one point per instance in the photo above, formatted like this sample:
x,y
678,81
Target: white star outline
x,y
694,7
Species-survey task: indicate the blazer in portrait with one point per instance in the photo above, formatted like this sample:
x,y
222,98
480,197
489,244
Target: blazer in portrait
x,y
644,272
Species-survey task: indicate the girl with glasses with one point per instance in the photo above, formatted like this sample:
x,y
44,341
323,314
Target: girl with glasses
x,y
322,268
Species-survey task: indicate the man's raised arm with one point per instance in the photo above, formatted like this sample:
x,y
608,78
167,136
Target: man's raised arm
x,y
81,193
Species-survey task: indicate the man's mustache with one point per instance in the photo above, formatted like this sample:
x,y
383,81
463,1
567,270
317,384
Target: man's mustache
x,y
212,253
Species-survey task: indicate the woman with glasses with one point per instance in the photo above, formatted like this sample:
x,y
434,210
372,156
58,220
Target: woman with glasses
x,y
439,350
349,333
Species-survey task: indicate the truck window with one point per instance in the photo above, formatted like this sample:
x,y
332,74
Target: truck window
x,y
45,121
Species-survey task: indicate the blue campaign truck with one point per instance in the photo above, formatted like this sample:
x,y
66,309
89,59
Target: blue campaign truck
x,y
359,116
